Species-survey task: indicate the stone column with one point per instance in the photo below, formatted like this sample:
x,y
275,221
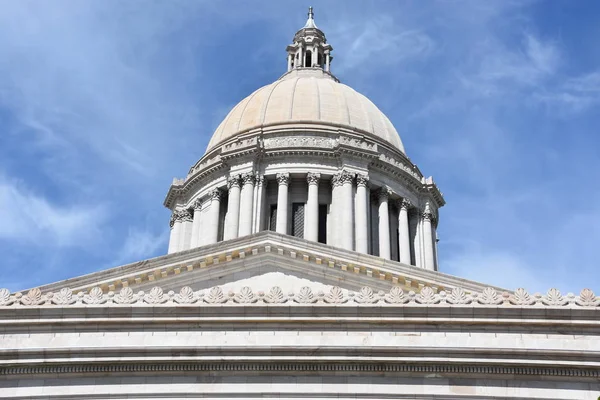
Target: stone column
x,y
346,211
403,231
428,238
197,224
185,236
361,215
174,235
259,206
246,204
233,209
384,224
289,62
283,181
300,57
327,61
334,228
212,217
311,229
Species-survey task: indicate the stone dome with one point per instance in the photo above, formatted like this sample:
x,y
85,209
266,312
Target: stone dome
x,y
308,96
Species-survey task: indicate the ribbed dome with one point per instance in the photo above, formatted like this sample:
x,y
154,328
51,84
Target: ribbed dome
x,y
307,97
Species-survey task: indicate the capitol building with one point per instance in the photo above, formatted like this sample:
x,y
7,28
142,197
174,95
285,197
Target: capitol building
x,y
302,264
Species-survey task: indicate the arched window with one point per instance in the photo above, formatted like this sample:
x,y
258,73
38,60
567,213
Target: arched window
x,y
308,59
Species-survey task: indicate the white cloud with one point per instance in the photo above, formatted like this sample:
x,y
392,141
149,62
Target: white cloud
x,y
378,40
575,94
139,244
28,217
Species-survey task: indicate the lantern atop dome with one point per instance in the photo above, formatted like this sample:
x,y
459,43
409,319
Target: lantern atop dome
x,y
310,48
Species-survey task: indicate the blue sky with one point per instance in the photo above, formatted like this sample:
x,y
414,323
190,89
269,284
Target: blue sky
x,y
102,103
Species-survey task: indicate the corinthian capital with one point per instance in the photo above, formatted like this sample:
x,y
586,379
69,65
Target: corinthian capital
x,y
342,178
283,179
404,204
260,180
362,180
313,178
428,215
183,215
384,194
197,204
216,194
233,181
248,178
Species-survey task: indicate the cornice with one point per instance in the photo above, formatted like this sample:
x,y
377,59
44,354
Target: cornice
x,y
287,249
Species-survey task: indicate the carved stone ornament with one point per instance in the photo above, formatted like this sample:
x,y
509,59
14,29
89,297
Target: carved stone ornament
x,y
428,215
299,141
384,194
404,204
183,215
197,204
313,178
233,181
362,180
216,194
214,297
248,178
342,178
172,220
260,180
283,179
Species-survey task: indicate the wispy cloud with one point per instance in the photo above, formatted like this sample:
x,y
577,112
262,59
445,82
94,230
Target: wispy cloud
x,y
378,40
500,69
575,94
31,218
138,244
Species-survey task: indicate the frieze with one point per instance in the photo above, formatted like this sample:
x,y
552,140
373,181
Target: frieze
x,y
356,142
299,141
238,144
306,295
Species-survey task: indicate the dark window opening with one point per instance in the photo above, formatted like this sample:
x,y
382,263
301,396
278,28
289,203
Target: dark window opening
x,y
222,215
273,217
322,223
298,220
308,59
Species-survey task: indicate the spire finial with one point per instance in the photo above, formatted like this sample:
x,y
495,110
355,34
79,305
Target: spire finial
x,y
311,14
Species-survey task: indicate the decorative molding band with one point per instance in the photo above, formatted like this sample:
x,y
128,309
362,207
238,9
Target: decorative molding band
x,y
274,367
299,141
305,296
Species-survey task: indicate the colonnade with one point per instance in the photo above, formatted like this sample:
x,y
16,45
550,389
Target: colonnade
x,y
348,216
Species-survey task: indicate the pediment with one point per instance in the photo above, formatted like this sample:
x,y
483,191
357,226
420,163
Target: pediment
x,y
264,260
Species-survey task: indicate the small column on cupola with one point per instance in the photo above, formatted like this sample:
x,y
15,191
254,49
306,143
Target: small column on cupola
x,y
310,48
